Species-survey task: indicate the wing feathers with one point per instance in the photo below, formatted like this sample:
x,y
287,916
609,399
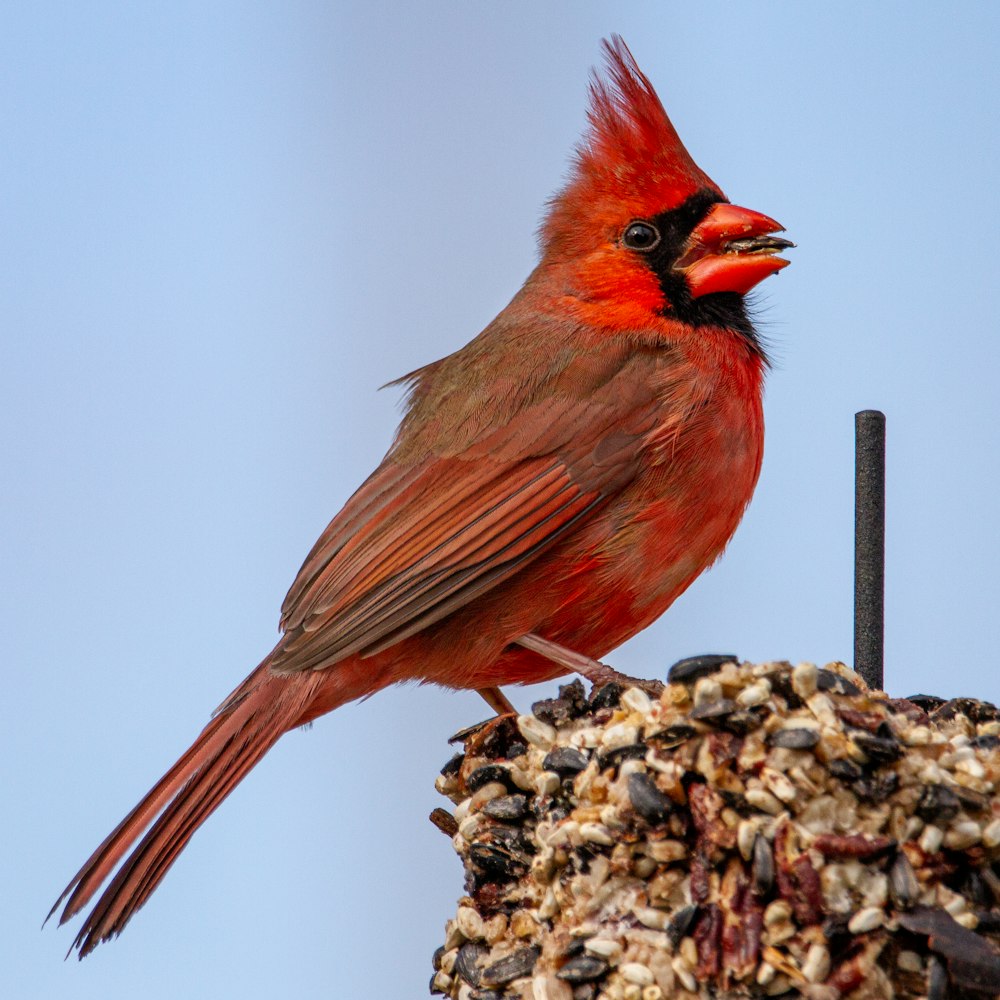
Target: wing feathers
x,y
430,531
436,568
386,553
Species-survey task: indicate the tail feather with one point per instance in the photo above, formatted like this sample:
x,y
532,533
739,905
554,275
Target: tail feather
x,y
102,862
151,859
225,751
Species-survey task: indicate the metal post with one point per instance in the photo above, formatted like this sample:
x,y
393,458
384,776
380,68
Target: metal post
x,y
869,546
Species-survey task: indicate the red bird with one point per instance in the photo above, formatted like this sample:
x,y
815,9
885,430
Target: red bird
x,y
552,488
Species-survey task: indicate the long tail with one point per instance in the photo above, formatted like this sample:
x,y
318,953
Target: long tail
x,y
246,727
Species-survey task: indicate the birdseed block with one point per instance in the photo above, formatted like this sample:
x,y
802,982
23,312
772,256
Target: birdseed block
x,y
754,830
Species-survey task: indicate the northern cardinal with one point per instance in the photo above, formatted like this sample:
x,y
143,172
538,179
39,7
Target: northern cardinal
x,y
553,486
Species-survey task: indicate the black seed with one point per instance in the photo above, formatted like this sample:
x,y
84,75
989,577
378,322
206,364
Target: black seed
x,y
466,962
486,774
512,839
976,711
606,696
835,930
828,680
498,862
612,758
437,956
575,695
885,731
987,741
682,922
499,734
794,739
976,892
673,736
583,969
903,882
733,799
506,807
938,802
572,947
877,748
972,800
453,766
555,711
515,750
548,809
877,789
781,684
762,868
692,667
928,702
565,761
937,979
845,769
744,720
463,734
712,711
647,800
521,963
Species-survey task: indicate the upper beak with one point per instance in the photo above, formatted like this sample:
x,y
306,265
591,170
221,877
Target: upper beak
x,y
731,250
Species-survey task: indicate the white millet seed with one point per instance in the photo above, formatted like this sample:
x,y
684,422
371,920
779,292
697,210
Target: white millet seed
x,y
963,835
756,693
931,839
866,919
636,700
816,967
536,732
683,973
636,972
804,678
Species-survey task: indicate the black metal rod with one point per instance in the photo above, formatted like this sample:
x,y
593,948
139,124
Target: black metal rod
x,y
869,546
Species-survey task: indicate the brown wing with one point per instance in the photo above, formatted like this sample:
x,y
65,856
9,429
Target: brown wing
x,y
418,541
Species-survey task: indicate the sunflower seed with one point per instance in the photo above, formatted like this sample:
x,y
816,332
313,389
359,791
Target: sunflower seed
x,y
692,667
565,761
903,881
647,800
466,962
521,963
938,802
762,870
583,969
794,739
506,807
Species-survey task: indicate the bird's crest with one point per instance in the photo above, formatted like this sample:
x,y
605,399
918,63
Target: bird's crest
x,y
630,160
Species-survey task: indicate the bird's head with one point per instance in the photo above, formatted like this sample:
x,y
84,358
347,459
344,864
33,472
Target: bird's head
x,y
640,228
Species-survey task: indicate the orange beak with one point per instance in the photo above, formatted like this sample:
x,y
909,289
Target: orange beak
x,y
731,250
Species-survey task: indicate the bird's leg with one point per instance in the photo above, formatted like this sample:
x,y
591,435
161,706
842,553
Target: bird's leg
x,y
497,700
596,672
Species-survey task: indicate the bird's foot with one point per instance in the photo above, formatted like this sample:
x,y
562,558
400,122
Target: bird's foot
x,y
596,672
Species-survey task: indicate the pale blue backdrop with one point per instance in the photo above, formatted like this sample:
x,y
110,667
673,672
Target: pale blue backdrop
x,y
223,225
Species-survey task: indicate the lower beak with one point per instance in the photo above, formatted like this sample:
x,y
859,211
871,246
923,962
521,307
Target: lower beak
x,y
731,250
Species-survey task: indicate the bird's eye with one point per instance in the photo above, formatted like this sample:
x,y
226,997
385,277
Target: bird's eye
x,y
640,236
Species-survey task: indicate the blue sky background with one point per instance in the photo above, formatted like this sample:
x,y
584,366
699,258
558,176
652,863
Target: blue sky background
x,y
224,225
